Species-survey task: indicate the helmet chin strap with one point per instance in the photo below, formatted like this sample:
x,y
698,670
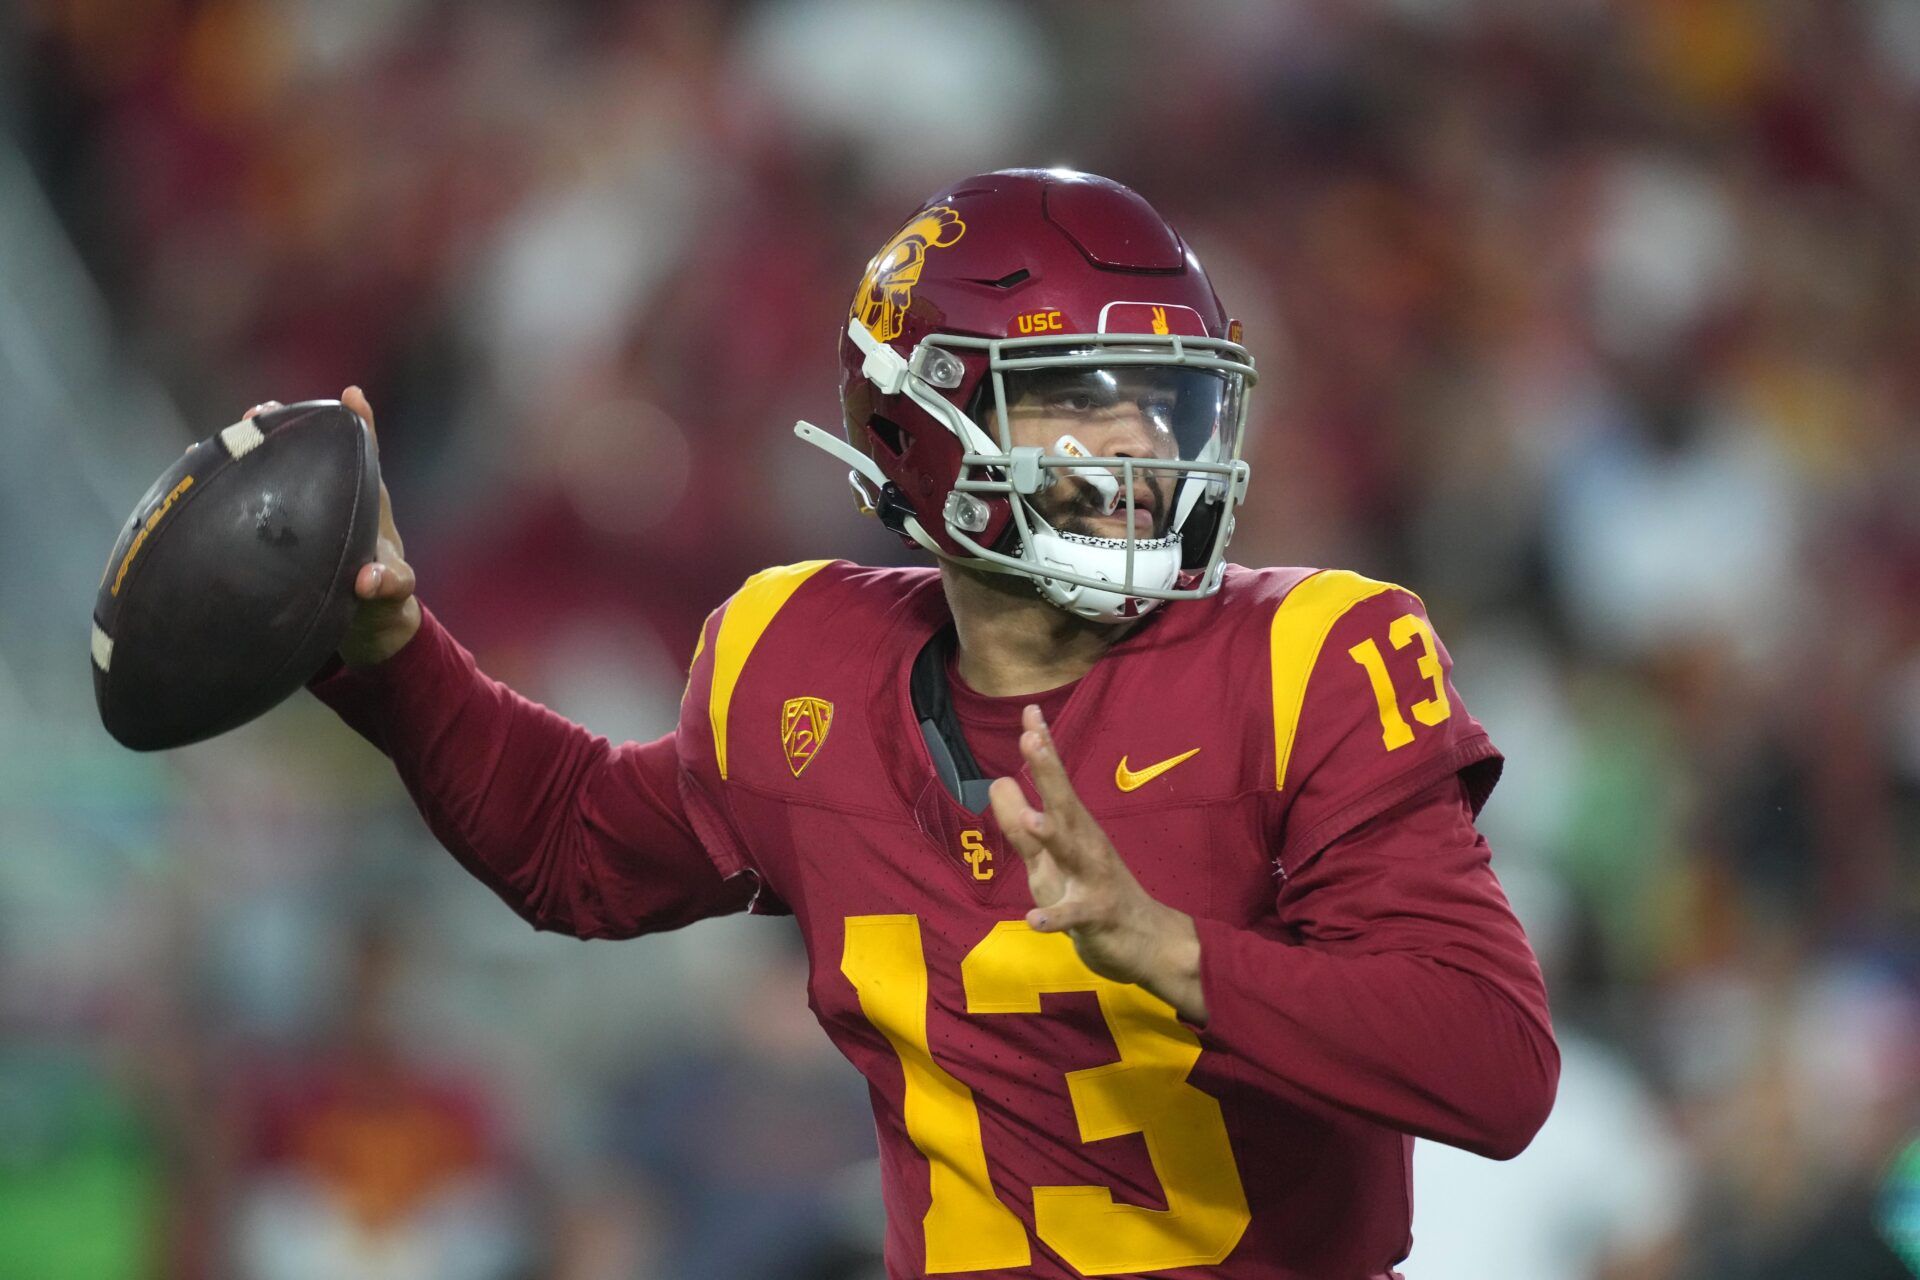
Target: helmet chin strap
x,y
1155,565
1155,562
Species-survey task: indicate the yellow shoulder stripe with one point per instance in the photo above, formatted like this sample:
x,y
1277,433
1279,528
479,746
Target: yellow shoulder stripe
x,y
746,619
1300,627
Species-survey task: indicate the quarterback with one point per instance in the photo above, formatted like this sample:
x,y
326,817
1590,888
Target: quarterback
x,y
1143,888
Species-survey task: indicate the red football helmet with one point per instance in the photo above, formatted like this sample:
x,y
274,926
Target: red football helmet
x,y
1038,379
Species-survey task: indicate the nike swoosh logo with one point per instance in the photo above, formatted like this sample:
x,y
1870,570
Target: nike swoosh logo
x,y
1128,779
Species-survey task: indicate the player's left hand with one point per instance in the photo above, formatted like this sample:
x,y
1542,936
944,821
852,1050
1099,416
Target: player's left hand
x,y
1082,888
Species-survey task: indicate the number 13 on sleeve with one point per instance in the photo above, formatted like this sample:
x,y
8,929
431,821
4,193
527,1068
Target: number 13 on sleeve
x,y
1394,730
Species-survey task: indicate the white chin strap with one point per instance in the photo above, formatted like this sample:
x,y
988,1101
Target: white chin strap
x,y
1156,564
1156,561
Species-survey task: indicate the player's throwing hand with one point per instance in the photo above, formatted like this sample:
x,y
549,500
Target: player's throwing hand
x,y
1082,888
388,615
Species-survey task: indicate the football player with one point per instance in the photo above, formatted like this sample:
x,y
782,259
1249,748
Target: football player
x,y
1144,889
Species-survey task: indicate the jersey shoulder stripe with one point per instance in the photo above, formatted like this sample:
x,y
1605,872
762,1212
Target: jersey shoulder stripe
x,y
1300,628
745,619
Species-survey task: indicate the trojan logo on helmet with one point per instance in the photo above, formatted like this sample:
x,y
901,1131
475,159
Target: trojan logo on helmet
x,y
881,301
936,366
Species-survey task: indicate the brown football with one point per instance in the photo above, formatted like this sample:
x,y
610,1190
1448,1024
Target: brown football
x,y
233,580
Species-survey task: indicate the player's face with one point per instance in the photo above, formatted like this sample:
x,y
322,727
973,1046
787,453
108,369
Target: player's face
x,y
1111,413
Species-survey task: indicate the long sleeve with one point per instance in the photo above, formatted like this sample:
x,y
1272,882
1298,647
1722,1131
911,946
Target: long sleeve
x,y
576,835
1403,991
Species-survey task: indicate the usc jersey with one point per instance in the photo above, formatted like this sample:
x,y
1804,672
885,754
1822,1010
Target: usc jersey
x,y
1286,761
1035,1118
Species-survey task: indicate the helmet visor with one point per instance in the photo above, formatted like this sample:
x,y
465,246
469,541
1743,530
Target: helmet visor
x,y
1089,406
1137,411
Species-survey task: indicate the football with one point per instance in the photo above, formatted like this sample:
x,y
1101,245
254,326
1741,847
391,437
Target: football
x,y
233,580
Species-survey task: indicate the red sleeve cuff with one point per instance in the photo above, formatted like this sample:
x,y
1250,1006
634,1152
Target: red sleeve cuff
x,y
1221,985
369,698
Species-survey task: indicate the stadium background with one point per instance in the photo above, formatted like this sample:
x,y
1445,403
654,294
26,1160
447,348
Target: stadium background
x,y
1597,322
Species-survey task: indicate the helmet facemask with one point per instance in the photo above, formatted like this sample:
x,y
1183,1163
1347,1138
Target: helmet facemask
x,y
1120,456
1105,536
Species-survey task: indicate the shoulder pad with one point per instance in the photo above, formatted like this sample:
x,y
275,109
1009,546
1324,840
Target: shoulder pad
x,y
743,620
1299,630
1364,712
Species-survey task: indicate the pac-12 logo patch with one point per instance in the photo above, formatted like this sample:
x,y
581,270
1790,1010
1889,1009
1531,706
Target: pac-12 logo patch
x,y
803,730
881,301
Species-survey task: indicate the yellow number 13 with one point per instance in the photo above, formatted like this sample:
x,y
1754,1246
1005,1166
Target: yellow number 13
x,y
967,1227
1394,730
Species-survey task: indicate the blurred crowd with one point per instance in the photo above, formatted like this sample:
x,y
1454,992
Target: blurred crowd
x,y
1596,322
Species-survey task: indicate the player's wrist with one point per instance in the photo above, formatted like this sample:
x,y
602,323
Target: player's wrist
x,y
1176,970
382,642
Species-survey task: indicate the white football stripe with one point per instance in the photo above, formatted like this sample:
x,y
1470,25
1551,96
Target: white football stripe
x,y
102,648
242,438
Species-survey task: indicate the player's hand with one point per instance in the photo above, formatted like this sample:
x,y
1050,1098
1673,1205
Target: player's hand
x,y
388,615
1082,888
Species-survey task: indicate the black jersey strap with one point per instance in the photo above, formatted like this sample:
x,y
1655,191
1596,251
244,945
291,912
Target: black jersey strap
x,y
953,759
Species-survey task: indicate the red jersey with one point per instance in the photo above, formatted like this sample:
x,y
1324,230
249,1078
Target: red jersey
x,y
1286,761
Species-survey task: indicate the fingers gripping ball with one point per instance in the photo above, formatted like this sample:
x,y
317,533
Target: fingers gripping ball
x,y
233,579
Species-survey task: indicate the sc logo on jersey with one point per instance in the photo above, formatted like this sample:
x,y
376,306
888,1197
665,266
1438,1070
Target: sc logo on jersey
x,y
973,848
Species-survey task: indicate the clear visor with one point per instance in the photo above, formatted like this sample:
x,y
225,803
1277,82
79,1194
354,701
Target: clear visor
x,y
1136,411
1123,418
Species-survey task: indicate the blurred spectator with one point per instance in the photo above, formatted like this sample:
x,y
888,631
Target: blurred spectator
x,y
358,1164
752,1141
1601,1192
